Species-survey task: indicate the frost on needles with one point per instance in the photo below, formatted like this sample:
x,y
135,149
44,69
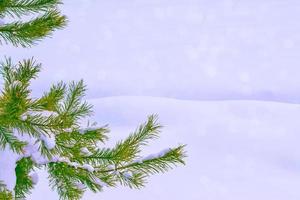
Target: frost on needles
x,y
46,133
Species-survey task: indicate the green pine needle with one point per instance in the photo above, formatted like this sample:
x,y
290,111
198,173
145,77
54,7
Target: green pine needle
x,y
79,160
26,7
28,33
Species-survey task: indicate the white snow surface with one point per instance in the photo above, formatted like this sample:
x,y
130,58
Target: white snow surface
x,y
236,149
34,177
7,168
99,182
127,175
88,167
49,140
85,151
200,50
153,156
80,186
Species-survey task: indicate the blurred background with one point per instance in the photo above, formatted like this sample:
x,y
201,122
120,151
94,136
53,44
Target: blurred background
x,y
192,49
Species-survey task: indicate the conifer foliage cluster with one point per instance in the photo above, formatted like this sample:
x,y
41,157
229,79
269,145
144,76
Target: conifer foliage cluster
x,y
43,15
48,133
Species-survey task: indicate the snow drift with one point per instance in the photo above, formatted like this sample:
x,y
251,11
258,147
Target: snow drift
x,y
237,149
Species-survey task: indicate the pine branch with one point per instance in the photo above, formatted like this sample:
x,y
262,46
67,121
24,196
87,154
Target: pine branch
x,y
70,182
27,70
36,124
28,33
157,163
128,149
21,73
161,163
24,183
73,99
4,194
134,174
73,158
63,180
7,139
26,7
73,108
69,144
50,100
104,156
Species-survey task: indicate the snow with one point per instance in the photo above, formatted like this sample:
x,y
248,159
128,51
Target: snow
x,y
84,130
200,51
46,113
24,116
38,158
236,149
68,130
88,167
80,186
8,158
111,167
49,141
74,164
85,151
99,182
63,159
127,175
34,177
7,165
154,156
29,149
116,173
55,158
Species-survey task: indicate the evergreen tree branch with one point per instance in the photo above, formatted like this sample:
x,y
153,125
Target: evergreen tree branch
x,y
128,149
15,95
26,7
4,194
156,164
28,33
6,138
50,100
73,158
24,183
73,108
63,179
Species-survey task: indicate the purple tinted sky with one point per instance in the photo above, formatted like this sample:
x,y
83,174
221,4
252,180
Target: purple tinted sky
x,y
192,49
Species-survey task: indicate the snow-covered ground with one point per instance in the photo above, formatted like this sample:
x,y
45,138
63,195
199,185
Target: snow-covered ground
x,y
200,51
237,149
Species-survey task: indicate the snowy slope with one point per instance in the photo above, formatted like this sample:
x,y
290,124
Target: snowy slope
x,y
237,149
